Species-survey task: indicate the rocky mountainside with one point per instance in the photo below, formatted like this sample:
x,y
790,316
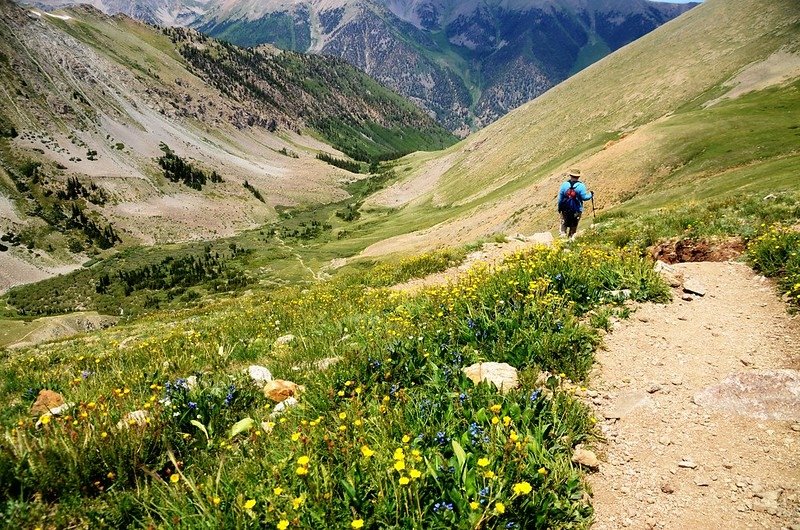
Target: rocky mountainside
x,y
466,62
114,132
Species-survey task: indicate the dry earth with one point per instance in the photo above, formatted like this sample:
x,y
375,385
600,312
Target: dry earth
x,y
671,463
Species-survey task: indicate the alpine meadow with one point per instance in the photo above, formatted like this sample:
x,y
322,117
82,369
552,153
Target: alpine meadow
x,y
249,287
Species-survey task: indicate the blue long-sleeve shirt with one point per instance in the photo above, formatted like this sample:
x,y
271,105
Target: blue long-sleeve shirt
x,y
580,189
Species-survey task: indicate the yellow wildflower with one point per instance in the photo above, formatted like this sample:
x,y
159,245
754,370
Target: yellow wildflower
x,y
406,438
295,436
301,471
277,491
283,524
45,419
249,504
366,452
495,408
400,465
303,460
495,421
174,478
357,523
542,471
489,474
522,488
404,481
342,415
474,505
483,462
499,508
298,501
216,501
415,473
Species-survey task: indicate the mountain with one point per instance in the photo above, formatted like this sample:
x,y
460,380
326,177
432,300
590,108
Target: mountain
x,y
466,62
704,107
114,133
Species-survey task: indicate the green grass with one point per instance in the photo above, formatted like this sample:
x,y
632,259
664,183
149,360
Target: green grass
x,y
392,434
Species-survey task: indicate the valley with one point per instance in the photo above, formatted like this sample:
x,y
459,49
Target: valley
x,y
255,289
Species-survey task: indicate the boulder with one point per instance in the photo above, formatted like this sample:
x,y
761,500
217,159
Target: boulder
x,y
259,374
46,401
501,375
279,390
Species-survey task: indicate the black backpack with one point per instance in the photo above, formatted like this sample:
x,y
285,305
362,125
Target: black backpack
x,y
570,202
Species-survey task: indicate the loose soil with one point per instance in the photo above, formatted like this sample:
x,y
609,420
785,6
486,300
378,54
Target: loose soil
x,y
647,376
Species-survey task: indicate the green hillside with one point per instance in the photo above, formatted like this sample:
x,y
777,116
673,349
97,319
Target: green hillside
x,y
690,134
651,120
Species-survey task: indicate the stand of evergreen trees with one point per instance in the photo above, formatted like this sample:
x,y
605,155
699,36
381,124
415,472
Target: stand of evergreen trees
x,y
347,165
177,169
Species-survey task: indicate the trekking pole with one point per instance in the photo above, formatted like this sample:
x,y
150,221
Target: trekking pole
x,y
594,215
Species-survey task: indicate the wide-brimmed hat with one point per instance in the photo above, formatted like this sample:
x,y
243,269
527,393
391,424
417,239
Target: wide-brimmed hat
x,y
575,173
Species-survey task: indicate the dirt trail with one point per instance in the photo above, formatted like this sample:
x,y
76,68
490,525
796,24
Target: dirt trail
x,y
671,459
671,463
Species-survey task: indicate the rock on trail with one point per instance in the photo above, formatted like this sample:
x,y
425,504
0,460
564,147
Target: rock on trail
x,y
700,408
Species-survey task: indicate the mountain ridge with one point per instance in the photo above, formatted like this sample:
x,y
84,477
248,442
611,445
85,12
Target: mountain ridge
x,y
466,63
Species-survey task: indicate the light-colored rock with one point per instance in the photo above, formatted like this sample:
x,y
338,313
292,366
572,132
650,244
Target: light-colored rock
x,y
46,401
501,375
279,390
259,374
324,364
670,274
284,405
137,417
687,464
760,394
284,339
191,382
586,458
694,287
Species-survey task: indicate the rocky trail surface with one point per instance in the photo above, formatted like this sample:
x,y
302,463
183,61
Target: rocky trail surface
x,y
699,401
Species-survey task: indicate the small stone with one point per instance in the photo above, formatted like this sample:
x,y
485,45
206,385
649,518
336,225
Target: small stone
x,y
667,488
259,374
653,389
324,364
677,381
283,340
586,458
687,298
46,401
282,406
137,417
191,382
665,440
796,427
701,482
279,390
687,464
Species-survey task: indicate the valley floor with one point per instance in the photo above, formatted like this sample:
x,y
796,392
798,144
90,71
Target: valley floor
x,y
688,447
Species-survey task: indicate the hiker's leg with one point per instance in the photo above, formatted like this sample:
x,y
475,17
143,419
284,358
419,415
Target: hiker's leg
x,y
563,230
572,230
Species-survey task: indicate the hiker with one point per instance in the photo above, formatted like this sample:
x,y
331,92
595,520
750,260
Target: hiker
x,y
570,202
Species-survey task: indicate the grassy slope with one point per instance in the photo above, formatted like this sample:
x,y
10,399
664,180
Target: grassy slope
x,y
655,87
